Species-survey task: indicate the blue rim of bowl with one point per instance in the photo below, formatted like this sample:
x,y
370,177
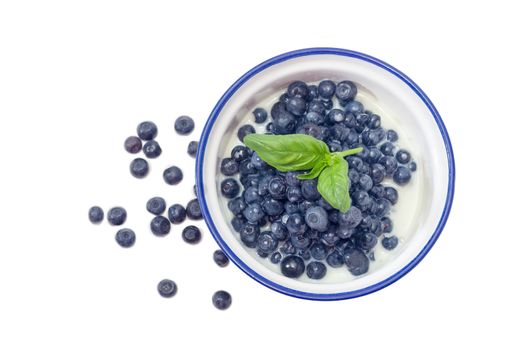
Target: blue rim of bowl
x,y
323,51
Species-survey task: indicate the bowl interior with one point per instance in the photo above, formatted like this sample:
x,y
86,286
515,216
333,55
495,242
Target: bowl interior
x,y
381,91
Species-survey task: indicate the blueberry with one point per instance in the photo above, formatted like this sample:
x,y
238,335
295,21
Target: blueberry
x,y
277,109
220,258
350,121
240,153
313,92
304,205
139,168
392,136
287,248
193,210
156,205
333,216
260,115
389,163
391,194
251,195
266,243
383,207
390,243
272,206
229,167
117,216
329,238
314,118
294,194
386,225
366,241
176,214
237,205
292,266
338,132
310,129
125,237
249,234
365,182
412,166
356,261
172,175
167,288
160,226
296,106
374,122
345,232
147,131
317,218
193,146
245,130
403,156
298,89
279,230
238,223
246,167
276,257
378,191
336,116
354,107
387,148
377,173
326,89
318,251
257,162
309,190
152,149
402,175
361,199
300,241
291,179
96,215
316,107
284,123
296,224
373,155
191,234
184,125
335,259
133,144
221,300
304,254
351,218
316,270
253,212
354,162
372,137
345,91
362,119
230,188
277,188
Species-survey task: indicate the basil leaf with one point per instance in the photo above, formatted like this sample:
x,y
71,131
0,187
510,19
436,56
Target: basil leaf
x,y
288,152
314,172
334,185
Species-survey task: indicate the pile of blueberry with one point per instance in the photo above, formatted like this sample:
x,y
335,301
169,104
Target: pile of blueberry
x,y
286,219
161,225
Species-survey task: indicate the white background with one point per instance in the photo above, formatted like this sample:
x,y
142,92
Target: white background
x,y
76,77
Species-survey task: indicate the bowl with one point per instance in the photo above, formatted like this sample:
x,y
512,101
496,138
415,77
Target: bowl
x,y
423,208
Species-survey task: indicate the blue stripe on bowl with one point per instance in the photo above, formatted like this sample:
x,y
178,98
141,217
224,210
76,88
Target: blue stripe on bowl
x,y
323,51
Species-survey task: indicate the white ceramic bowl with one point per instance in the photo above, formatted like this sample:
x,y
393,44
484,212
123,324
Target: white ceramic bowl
x,y
395,93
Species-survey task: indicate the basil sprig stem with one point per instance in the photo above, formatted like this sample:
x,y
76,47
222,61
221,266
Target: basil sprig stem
x,y
302,152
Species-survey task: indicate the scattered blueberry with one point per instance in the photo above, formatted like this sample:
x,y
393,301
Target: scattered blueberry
x,y
176,214
412,166
260,115
316,270
184,125
354,107
191,234
156,205
389,243
356,261
147,131
117,216
345,91
403,156
96,215
220,258
249,234
139,168
167,288
133,144
387,148
391,194
245,130
152,149
172,175
222,300
292,266
296,106
402,175
193,146
276,257
193,210
160,226
125,237
230,188
392,136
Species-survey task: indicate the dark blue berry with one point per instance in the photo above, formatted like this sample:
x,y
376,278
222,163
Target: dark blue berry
x,y
298,89
391,194
272,207
292,266
309,190
361,199
304,253
354,162
238,223
294,194
176,214
192,149
296,106
253,212
172,175
318,251
345,91
246,167
402,175
160,226
96,215
377,173
117,216
287,248
316,107
284,98
229,167
237,205
221,300
387,148
392,136
336,116
191,234
230,188
240,153
390,243
310,129
147,131
390,164
314,118
366,241
366,183
317,218
335,259
412,166
326,89
362,119
257,162
152,149
167,288
251,195
374,122
296,224
351,218
312,93
278,108
277,188
372,137
139,168
386,225
266,243
133,144
245,130
345,232
276,257
125,237
284,123
316,270
156,205
193,210
329,238
378,191
354,107
220,258
279,230
403,156
260,115
356,261
373,155
263,185
383,207
184,125
249,234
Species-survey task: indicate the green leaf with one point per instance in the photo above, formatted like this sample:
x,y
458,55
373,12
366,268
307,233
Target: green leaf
x,y
334,185
316,170
288,152
348,152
